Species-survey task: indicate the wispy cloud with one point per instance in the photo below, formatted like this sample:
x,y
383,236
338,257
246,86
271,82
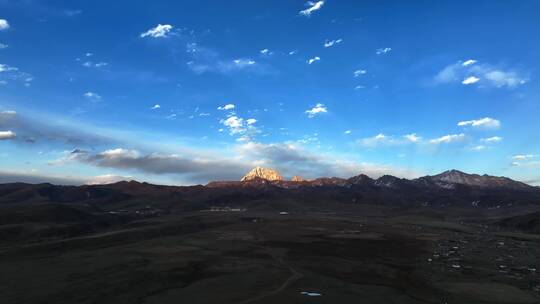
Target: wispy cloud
x,y
294,159
316,110
244,62
312,7
3,46
205,60
155,107
383,51
11,73
266,52
92,96
90,64
7,68
313,60
491,140
359,73
159,31
470,72
226,107
479,148
389,140
35,129
448,139
331,43
526,161
108,179
524,156
486,123
194,168
72,13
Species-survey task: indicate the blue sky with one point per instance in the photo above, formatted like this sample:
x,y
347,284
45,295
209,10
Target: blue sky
x,y
184,92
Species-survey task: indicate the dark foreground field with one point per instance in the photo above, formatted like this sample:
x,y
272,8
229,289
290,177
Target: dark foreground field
x,y
367,255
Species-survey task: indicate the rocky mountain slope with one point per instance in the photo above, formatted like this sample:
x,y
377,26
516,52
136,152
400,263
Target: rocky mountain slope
x,y
262,173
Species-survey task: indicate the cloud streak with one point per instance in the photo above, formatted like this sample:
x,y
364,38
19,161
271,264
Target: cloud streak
x,y
318,109
312,7
197,169
159,31
470,72
485,123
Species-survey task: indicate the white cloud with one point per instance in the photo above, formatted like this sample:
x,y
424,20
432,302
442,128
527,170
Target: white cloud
x,y
7,135
482,123
160,31
347,132
313,6
479,148
155,107
244,62
484,75
234,123
524,156
526,161
383,51
8,112
3,46
314,59
4,24
316,110
331,43
266,52
504,79
293,159
491,140
389,140
108,179
237,126
229,106
413,138
359,73
359,87
468,62
293,52
7,68
447,139
92,96
90,64
120,152
375,140
470,80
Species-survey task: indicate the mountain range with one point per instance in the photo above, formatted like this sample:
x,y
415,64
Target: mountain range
x,y
266,189
446,180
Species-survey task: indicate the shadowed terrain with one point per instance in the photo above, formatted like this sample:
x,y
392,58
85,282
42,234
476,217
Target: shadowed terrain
x,y
264,242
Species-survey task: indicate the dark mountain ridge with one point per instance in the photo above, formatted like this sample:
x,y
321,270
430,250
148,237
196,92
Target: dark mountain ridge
x,y
450,188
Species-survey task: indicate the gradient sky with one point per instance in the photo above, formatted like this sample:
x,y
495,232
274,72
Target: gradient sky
x,y
184,92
